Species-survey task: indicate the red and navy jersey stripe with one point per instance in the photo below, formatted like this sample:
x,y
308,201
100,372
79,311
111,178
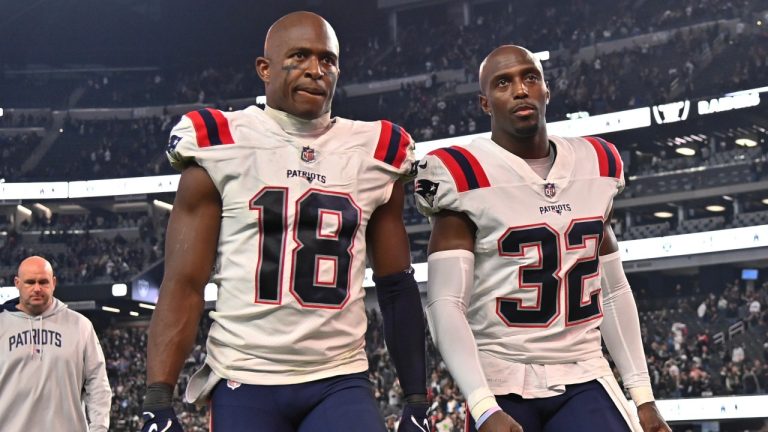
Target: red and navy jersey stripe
x,y
392,147
464,168
211,127
607,157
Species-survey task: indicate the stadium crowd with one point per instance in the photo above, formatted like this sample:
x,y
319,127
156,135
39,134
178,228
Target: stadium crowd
x,y
686,357
87,249
686,63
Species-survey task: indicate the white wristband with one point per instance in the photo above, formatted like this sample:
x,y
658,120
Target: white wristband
x,y
641,395
480,401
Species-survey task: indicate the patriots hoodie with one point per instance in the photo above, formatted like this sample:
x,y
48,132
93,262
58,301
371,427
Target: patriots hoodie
x,y
51,368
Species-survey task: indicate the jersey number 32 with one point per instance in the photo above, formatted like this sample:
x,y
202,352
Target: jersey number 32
x,y
582,237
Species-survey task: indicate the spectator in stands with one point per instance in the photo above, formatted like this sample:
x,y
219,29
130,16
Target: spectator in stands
x,y
52,369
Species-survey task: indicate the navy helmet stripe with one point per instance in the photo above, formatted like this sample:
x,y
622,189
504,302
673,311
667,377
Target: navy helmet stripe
x,y
466,167
609,154
211,126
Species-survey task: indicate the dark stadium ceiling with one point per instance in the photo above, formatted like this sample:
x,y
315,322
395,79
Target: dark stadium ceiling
x,y
153,32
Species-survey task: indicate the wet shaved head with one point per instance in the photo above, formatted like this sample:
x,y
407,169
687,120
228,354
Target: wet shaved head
x,y
294,25
300,66
504,57
514,93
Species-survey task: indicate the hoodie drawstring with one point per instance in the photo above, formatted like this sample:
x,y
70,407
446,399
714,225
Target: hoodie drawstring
x,y
36,339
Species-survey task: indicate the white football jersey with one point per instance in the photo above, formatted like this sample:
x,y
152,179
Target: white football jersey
x,y
536,297
292,252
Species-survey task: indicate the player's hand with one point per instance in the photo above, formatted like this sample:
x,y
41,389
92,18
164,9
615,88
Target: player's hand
x,y
415,418
651,419
163,420
500,422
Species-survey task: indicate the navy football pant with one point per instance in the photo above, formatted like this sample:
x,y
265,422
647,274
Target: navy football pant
x,y
583,407
341,403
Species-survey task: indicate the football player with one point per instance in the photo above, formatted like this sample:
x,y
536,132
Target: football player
x,y
520,242
287,202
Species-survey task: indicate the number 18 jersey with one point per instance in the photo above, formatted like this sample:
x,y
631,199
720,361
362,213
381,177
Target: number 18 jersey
x,y
291,252
536,296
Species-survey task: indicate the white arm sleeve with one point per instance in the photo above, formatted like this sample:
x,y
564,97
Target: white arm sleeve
x,y
621,329
451,278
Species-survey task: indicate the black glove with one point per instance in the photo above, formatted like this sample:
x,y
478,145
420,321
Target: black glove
x,y
415,418
157,412
163,420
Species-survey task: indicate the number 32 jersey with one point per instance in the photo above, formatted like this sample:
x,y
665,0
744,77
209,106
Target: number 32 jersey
x,y
291,253
536,296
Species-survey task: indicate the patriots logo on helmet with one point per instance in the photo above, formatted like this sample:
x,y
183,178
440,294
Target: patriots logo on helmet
x,y
308,154
549,190
172,143
427,190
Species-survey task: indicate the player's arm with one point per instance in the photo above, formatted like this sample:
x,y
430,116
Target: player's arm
x,y
451,279
621,331
190,250
398,293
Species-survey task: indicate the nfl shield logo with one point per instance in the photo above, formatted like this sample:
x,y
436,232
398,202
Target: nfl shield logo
x,y
308,154
233,384
549,190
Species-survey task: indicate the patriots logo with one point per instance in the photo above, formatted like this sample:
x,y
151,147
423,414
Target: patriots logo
x,y
549,190
172,143
308,154
427,190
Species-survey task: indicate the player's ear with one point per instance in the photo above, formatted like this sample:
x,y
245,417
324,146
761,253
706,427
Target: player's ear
x,y
484,104
262,68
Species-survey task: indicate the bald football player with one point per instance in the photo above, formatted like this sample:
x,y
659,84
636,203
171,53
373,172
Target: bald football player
x,y
283,205
524,270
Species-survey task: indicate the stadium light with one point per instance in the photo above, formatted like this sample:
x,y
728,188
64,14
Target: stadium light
x,y
110,309
685,151
23,210
132,313
163,205
1,112
119,290
746,142
663,214
43,209
715,208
